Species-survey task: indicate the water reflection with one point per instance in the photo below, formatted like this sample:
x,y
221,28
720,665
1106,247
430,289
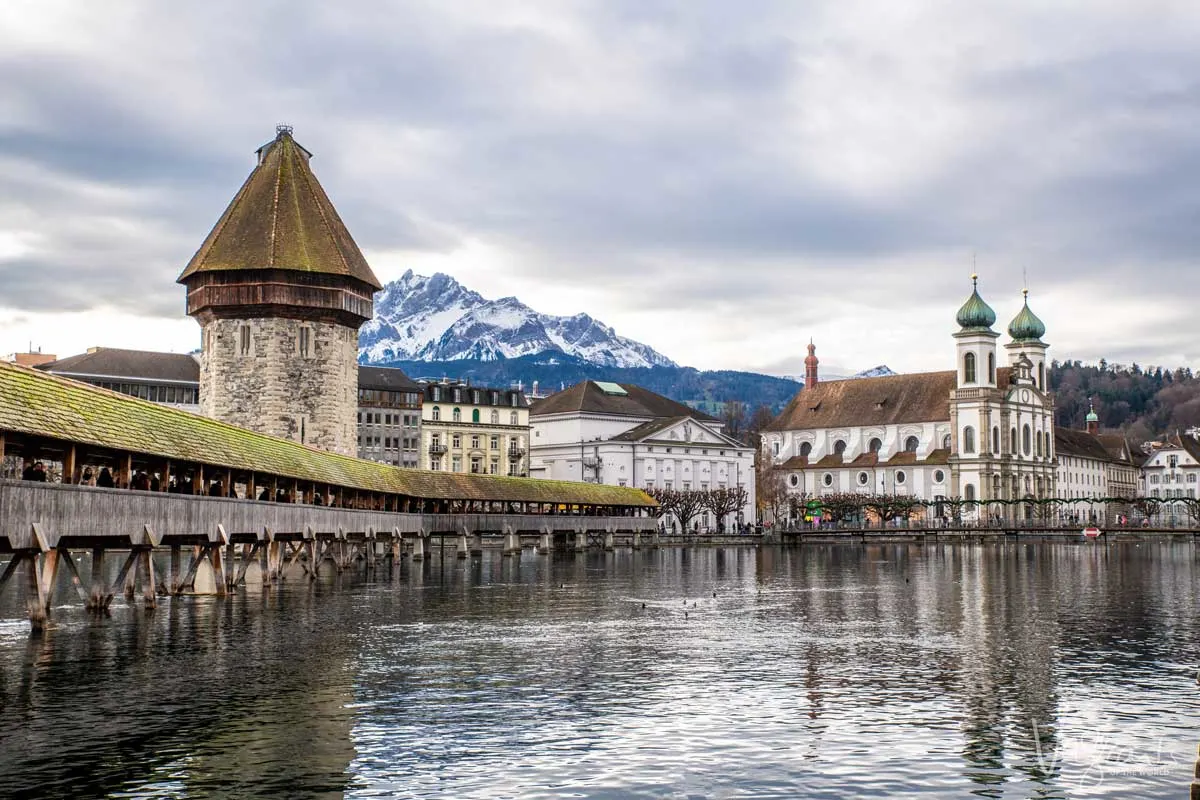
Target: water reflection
x,y
1012,670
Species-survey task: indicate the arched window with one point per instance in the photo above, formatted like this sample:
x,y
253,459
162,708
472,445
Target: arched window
x,y
805,449
475,415
457,415
991,367
969,368
437,413
1042,376
876,445
945,442
1027,439
996,440
839,447
912,443
968,439
969,493
495,417
1039,444
1012,444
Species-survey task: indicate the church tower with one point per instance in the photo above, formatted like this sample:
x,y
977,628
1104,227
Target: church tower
x,y
280,290
810,366
975,402
1027,331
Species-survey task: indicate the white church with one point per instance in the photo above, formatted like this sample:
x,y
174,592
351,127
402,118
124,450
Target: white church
x,y
978,432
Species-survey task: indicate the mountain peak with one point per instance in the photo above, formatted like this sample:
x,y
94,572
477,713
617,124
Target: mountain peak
x,y
436,318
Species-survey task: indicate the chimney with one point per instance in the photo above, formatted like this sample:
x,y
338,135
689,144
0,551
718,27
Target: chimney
x,y
535,389
810,366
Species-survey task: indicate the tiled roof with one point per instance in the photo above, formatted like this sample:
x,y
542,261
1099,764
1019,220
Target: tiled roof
x,y
1079,444
488,396
113,362
387,379
1118,449
37,404
587,397
885,400
281,218
1189,444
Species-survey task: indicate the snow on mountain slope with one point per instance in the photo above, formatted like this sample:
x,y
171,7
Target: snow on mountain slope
x,y
438,319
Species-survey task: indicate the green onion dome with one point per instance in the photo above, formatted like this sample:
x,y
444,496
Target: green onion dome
x,y
975,313
1092,416
1026,325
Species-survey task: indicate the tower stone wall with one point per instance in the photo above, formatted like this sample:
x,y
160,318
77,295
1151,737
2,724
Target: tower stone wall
x,y
285,377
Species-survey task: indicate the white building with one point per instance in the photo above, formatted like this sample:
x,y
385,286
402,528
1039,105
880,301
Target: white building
x,y
624,435
978,432
1173,470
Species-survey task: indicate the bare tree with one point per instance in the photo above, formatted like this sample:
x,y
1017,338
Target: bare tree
x,y
688,504
735,416
723,502
772,490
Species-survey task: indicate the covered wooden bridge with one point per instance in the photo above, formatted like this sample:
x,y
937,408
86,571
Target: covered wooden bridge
x,y
180,481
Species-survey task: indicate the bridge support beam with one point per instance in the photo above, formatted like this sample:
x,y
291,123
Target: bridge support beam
x,y
461,549
610,541
418,548
512,543
544,544
477,544
580,541
637,540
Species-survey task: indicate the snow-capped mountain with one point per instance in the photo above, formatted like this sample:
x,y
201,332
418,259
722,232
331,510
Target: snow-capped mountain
x,y
436,318
874,372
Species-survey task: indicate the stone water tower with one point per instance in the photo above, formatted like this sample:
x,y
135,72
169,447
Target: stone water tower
x,y
280,289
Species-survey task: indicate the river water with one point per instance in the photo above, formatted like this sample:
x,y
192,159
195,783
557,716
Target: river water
x,y
935,671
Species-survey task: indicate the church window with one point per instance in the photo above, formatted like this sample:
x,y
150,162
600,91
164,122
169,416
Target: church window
x,y
1027,439
1039,444
996,440
805,449
969,368
968,439
1042,377
456,415
1012,444
827,479
912,443
475,415
839,447
900,477
863,478
495,417
794,480
969,492
939,476
991,367
876,445
437,414
945,442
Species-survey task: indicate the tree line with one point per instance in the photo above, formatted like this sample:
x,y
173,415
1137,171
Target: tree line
x,y
687,504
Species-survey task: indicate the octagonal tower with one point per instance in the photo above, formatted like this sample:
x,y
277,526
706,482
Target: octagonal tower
x,y
280,290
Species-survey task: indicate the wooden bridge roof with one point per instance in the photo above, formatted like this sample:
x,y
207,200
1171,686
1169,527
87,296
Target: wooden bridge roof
x,y
36,404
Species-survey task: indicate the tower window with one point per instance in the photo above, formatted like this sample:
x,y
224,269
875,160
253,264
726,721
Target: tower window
x,y
1042,377
305,341
912,443
996,441
969,368
839,447
805,449
991,367
1027,439
244,340
968,439
876,445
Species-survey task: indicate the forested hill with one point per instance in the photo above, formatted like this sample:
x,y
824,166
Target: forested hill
x,y
1144,403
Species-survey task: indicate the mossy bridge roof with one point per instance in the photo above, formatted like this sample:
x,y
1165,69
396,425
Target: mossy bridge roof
x,y
36,404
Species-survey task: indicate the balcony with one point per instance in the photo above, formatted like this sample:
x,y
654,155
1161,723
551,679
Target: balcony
x,y
437,449
516,453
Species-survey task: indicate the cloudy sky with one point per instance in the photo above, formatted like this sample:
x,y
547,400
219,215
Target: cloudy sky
x,y
720,180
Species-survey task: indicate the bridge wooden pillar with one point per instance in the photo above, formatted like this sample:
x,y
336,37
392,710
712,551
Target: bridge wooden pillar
x,y
418,549
462,550
610,541
512,543
580,541
637,540
477,544
544,543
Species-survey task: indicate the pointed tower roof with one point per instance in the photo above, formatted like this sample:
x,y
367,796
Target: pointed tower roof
x,y
1025,325
281,218
975,314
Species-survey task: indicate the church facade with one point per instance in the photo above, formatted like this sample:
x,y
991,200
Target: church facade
x,y
981,431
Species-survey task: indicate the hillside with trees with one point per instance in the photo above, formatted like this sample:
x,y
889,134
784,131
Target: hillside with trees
x,y
1144,403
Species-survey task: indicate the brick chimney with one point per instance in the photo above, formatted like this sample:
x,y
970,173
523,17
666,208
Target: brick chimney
x,y
810,366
